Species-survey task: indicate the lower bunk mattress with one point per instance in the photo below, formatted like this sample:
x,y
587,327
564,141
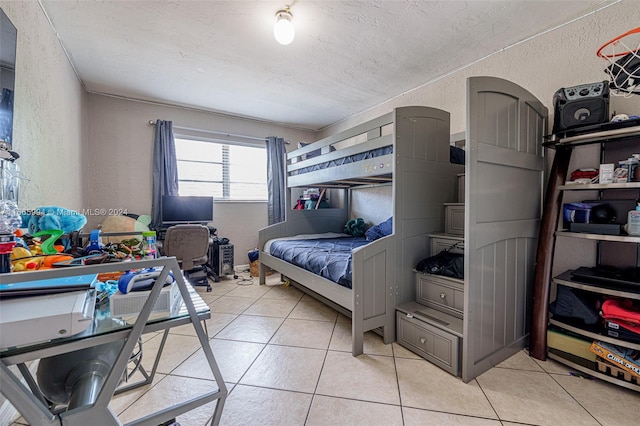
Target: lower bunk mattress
x,y
326,255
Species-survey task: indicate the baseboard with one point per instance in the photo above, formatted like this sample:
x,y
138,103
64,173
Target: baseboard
x,y
241,268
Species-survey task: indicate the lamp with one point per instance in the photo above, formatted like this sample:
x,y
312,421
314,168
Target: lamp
x,y
283,30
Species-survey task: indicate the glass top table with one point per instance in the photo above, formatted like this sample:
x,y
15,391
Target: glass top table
x,y
105,329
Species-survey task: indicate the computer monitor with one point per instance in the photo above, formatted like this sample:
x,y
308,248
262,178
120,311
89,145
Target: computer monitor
x,y
189,209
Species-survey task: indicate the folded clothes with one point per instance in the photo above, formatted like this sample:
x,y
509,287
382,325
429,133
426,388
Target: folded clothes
x,y
626,312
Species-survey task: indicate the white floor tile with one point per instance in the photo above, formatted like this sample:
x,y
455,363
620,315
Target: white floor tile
x,y
169,391
249,328
280,308
610,405
327,410
303,333
416,417
521,361
310,309
253,291
531,397
286,368
231,305
423,385
366,378
177,348
233,359
248,405
281,291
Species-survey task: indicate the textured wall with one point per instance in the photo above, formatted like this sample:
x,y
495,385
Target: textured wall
x,y
47,120
371,204
48,112
120,148
560,58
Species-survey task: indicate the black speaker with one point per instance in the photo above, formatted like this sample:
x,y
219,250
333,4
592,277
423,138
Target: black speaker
x,y
580,106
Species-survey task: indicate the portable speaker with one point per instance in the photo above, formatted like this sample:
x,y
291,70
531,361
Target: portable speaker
x,y
580,106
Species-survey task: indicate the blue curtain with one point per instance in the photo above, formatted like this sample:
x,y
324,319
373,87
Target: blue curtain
x,y
275,179
165,168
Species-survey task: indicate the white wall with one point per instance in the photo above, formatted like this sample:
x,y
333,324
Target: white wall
x,y
48,115
560,58
47,119
120,148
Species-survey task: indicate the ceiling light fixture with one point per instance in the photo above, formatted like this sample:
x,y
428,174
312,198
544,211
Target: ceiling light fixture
x,y
283,30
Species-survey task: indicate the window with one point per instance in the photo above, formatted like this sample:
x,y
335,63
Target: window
x,y
223,170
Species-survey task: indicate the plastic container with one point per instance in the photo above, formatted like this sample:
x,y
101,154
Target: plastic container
x,y
149,245
631,164
633,222
7,243
635,175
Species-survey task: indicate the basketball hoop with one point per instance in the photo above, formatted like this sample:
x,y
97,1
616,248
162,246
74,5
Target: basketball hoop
x,y
622,54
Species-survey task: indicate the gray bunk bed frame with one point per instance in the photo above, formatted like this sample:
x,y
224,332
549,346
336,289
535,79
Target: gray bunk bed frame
x,y
422,179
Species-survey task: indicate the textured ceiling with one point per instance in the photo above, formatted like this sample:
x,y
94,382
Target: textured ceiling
x,y
347,56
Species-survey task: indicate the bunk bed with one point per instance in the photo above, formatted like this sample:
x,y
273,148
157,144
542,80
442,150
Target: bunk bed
x,y
406,150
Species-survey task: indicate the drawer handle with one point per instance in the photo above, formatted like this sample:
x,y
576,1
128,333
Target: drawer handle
x,y
443,295
423,340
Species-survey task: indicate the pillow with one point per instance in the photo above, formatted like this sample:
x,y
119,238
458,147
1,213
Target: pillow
x,y
380,230
312,153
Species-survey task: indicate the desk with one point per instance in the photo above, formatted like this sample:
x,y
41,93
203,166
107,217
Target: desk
x,y
28,400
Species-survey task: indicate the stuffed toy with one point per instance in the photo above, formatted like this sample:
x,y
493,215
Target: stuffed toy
x,y
355,227
53,221
52,217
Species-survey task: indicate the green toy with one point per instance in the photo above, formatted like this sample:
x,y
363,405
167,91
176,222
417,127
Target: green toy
x,y
355,227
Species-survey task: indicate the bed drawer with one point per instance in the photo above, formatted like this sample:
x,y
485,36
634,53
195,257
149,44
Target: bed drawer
x,y
454,218
439,292
431,343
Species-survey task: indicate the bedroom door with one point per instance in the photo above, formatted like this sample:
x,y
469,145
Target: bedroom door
x,y
503,206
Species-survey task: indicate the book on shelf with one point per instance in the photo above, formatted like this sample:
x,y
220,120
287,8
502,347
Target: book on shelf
x,y
618,329
564,342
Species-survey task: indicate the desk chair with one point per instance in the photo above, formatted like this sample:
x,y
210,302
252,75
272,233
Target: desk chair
x,y
189,243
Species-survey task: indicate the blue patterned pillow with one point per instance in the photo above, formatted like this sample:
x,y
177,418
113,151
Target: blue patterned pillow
x,y
380,230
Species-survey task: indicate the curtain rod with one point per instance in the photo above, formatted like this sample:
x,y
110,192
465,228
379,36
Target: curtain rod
x,y
153,123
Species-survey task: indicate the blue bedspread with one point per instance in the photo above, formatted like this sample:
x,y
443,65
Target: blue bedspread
x,y
328,257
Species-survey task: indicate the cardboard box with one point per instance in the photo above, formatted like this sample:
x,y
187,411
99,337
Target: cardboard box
x,y
606,173
618,356
169,301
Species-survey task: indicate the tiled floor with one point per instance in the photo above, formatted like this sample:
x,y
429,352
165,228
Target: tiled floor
x,y
286,360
